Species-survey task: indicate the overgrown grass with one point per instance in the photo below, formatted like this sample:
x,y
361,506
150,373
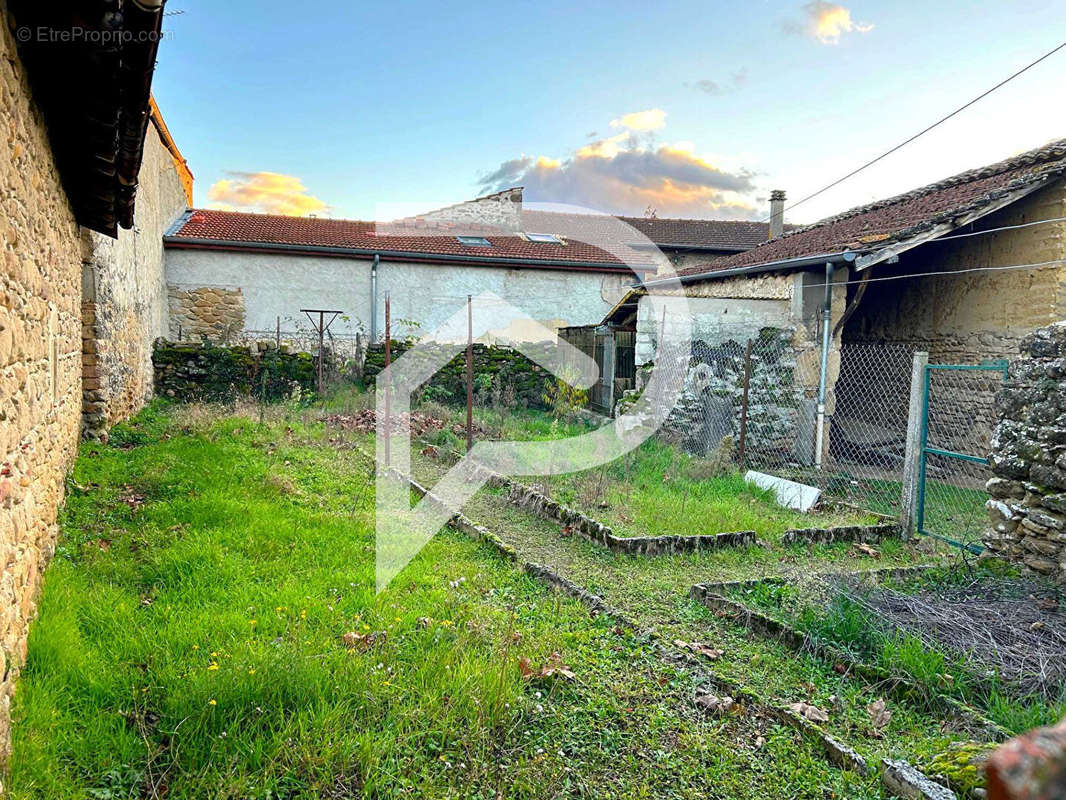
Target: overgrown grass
x,y
842,621
190,645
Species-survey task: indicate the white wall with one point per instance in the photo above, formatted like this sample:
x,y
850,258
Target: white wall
x,y
280,285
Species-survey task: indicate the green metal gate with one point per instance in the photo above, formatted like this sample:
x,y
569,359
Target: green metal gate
x,y
957,420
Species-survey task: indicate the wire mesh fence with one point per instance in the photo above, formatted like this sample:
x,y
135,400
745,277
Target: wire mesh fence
x,y
759,398
959,419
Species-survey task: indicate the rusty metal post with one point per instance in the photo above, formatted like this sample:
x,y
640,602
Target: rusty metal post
x,y
388,379
321,339
744,406
469,373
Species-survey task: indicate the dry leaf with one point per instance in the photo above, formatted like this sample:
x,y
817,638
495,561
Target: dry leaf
x,y
361,641
809,712
525,668
719,706
880,716
867,550
555,666
699,648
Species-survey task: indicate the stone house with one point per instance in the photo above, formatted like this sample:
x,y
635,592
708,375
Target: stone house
x,y
899,274
86,159
236,275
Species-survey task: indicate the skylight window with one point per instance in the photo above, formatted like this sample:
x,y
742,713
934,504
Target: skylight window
x,y
545,238
474,241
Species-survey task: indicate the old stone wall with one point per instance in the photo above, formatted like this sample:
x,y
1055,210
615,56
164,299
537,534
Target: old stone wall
x,y
215,313
124,302
974,316
1027,508
40,359
212,372
501,374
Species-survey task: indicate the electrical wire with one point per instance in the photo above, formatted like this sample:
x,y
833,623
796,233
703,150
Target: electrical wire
x,y
997,230
924,130
940,273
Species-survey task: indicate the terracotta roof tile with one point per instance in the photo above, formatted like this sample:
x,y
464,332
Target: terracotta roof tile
x,y
885,221
420,238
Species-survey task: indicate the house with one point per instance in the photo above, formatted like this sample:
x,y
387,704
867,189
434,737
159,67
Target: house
x,y
90,179
962,268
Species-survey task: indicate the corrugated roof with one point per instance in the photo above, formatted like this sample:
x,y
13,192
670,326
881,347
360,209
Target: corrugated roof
x,y
879,224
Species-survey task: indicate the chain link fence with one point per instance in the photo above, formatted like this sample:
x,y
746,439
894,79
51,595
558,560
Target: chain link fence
x,y
758,399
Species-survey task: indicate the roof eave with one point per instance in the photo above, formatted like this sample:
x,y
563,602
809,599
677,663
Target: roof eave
x,y
784,265
193,243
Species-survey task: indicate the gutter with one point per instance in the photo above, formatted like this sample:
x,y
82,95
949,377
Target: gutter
x,y
189,243
770,266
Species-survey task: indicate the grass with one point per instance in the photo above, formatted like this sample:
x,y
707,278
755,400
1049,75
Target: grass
x,y
657,490
845,623
189,645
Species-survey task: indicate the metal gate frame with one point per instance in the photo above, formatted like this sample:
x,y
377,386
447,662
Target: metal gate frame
x,y
926,450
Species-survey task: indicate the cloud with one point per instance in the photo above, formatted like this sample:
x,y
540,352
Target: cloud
x,y
626,174
826,22
650,120
265,192
736,80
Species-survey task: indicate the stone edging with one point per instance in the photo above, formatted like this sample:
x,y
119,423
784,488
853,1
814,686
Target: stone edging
x,y
836,752
899,687
595,531
883,572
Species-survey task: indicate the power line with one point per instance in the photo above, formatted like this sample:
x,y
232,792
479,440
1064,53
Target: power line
x,y
925,130
997,230
940,273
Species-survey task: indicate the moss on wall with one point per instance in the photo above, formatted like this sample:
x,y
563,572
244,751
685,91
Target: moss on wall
x,y
500,373
212,372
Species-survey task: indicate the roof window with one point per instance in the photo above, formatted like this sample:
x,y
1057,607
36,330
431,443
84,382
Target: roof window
x,y
544,238
474,241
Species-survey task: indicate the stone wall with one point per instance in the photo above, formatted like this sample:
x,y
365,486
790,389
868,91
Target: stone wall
x,y
40,359
967,318
124,298
1028,493
215,313
191,370
501,374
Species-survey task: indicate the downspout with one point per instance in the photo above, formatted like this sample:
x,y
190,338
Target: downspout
x,y
374,299
827,313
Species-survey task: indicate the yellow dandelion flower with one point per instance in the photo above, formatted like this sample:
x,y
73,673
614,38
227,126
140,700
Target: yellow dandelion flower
x,y
212,666
212,702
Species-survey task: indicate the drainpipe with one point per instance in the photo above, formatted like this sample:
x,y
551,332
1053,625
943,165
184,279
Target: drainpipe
x,y
374,299
827,312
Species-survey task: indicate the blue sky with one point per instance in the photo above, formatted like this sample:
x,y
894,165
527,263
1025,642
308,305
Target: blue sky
x,y
369,103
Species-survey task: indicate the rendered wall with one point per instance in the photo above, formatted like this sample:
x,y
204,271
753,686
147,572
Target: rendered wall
x,y
40,360
276,286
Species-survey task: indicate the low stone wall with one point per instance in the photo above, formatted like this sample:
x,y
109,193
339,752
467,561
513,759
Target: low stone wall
x,y
501,374
1028,493
210,372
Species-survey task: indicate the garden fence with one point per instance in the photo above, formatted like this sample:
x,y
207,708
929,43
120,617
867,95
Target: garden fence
x,y
759,397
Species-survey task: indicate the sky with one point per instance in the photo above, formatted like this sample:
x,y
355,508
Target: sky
x,y
690,109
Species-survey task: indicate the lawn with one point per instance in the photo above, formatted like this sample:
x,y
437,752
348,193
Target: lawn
x,y
657,490
208,628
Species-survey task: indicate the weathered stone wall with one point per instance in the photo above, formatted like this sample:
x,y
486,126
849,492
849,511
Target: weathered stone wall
x,y
1028,493
190,370
974,316
40,364
212,312
124,295
501,374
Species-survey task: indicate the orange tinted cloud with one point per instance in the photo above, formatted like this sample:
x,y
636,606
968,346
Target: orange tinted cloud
x,y
264,192
827,22
621,175
650,120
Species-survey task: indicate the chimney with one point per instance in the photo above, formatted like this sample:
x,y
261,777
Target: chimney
x,y
777,213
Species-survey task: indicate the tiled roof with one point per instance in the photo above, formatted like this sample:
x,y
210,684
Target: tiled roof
x,y
417,238
881,223
701,234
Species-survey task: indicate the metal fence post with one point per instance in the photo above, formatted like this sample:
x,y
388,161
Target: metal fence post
x,y
744,407
608,369
908,512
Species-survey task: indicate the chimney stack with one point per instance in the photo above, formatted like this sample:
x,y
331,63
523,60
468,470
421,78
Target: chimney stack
x,y
777,213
